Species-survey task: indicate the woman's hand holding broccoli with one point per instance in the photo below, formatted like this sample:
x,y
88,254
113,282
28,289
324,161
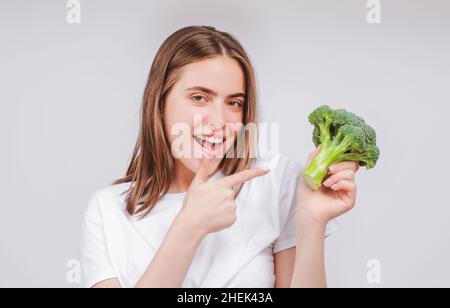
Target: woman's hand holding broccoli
x,y
336,197
344,142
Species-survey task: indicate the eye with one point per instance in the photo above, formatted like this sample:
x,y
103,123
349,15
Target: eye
x,y
198,98
236,104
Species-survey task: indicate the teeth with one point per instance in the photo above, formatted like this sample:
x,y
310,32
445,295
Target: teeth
x,y
211,140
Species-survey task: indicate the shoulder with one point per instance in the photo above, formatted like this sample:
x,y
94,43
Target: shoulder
x,y
106,199
283,177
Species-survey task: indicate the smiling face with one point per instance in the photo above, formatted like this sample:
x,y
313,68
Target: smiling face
x,y
208,96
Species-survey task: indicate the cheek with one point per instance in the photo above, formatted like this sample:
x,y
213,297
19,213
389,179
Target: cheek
x,y
236,117
177,118
236,123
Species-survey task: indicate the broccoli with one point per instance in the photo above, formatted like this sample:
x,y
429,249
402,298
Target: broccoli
x,y
342,136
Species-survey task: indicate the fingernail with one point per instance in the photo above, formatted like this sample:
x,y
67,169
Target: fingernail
x,y
331,168
326,183
265,169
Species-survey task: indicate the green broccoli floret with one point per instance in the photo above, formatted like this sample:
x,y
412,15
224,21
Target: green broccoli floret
x,y
343,136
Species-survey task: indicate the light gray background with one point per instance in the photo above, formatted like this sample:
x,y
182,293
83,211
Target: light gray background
x,y
70,98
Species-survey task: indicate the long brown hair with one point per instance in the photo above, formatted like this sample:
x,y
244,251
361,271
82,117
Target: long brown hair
x,y
151,169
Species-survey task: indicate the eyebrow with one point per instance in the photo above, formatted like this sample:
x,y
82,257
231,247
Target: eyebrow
x,y
212,92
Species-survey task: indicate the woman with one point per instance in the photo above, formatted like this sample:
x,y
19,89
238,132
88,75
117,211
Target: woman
x,y
197,207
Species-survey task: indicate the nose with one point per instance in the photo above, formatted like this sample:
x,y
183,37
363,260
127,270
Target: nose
x,y
215,117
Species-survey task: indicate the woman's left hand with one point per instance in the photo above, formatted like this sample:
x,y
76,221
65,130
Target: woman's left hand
x,y
336,196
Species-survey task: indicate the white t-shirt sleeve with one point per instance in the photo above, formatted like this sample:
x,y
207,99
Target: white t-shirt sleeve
x,y
288,205
94,255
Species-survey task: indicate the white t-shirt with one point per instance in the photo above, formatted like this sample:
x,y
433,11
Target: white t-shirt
x,y
116,245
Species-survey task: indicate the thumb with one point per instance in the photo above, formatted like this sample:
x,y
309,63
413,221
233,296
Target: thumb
x,y
203,171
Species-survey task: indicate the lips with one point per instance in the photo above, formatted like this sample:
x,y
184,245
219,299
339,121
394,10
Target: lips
x,y
209,144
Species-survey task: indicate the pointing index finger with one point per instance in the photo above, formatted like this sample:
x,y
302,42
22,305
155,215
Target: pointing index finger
x,y
243,176
203,171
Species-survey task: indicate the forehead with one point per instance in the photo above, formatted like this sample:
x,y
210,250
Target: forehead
x,y
221,74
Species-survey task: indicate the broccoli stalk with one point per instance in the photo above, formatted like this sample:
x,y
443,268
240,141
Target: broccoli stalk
x,y
342,136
